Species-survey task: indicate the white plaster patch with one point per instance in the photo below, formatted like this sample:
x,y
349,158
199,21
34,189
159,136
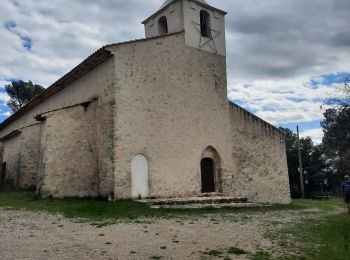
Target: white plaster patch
x,y
139,176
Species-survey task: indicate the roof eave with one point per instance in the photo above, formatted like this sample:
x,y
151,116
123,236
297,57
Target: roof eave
x,y
84,67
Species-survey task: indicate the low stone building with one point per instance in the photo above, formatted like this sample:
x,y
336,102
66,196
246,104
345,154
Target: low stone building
x,y
147,118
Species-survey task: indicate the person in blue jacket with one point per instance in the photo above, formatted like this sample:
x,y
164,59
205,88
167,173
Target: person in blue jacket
x,y
345,190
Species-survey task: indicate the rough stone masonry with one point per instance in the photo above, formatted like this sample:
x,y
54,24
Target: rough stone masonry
x,y
147,118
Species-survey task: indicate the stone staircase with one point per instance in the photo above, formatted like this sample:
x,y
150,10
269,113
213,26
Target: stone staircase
x,y
199,202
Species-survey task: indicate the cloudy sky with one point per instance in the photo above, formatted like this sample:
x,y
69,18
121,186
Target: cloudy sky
x,y
284,56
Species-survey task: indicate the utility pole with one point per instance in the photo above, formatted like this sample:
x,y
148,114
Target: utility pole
x,y
300,168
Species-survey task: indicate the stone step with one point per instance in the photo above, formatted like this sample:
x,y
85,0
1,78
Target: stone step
x,y
208,201
216,206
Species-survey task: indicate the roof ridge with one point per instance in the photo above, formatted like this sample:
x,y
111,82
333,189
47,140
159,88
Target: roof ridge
x,y
142,39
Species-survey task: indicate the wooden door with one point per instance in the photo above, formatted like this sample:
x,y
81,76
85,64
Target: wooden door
x,y
2,175
207,174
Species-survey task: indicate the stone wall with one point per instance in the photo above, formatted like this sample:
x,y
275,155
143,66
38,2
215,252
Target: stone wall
x,y
262,173
29,156
98,82
171,106
69,153
21,155
11,156
159,98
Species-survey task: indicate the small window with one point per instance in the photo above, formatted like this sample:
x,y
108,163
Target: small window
x,y
205,24
163,25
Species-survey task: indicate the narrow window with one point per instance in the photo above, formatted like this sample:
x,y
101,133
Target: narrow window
x,y
205,24
163,25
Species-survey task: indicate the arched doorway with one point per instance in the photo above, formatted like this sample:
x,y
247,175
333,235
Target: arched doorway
x,y
207,175
139,177
205,24
211,179
2,174
163,25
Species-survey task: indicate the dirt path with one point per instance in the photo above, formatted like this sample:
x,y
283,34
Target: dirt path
x,y
34,235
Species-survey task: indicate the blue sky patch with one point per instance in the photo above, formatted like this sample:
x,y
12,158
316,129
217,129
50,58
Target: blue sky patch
x,y
9,80
329,79
296,100
302,126
27,42
10,26
3,107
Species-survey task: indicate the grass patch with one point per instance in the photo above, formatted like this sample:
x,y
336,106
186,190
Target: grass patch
x,y
326,239
213,253
102,210
260,255
236,251
324,205
93,209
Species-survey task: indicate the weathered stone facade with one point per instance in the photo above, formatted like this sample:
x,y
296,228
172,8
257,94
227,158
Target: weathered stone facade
x,y
159,98
261,173
21,154
69,166
170,113
97,83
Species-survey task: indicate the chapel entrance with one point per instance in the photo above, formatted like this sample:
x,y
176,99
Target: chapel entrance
x,y
208,176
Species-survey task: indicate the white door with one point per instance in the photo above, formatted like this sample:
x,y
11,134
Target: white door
x,y
139,177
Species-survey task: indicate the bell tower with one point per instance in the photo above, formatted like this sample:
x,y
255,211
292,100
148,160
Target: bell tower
x,y
203,24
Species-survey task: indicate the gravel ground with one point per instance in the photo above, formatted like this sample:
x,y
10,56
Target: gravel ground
x,y
38,235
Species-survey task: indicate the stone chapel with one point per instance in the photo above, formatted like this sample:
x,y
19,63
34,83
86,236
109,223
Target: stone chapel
x,y
147,118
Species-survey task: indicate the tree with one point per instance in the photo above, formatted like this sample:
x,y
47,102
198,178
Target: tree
x,y
336,128
292,161
316,165
341,96
21,93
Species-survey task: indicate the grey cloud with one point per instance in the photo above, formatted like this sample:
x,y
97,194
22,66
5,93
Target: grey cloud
x,y
272,45
279,39
341,39
266,39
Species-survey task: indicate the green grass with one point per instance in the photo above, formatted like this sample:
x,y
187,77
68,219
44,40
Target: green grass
x,y
213,253
324,205
260,255
77,208
326,239
102,210
155,257
236,251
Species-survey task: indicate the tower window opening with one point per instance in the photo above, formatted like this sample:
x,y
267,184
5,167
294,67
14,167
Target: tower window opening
x,y
205,24
163,25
